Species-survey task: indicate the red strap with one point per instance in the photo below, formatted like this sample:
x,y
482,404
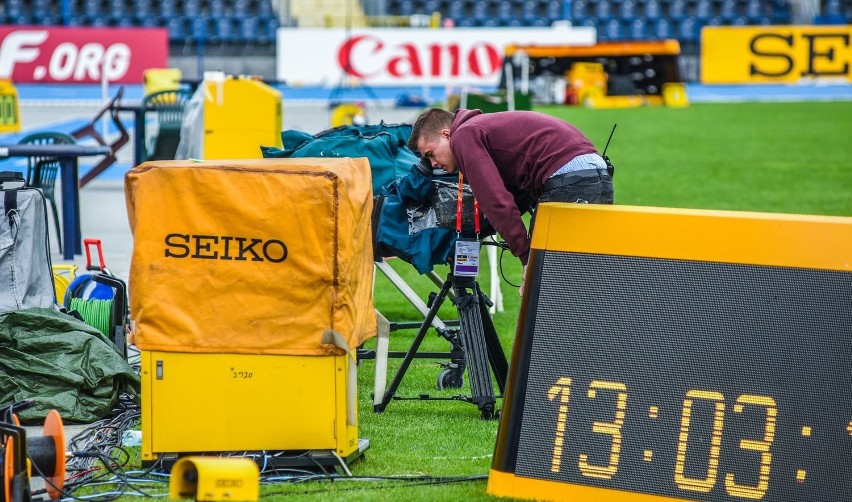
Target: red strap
x,y
459,204
459,207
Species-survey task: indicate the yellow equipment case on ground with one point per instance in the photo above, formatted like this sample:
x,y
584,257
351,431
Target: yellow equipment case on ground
x,y
251,288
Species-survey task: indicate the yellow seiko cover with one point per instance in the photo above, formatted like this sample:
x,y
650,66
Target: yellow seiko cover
x,y
256,256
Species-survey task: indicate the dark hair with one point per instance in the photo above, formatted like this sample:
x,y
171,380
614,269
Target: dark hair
x,y
429,124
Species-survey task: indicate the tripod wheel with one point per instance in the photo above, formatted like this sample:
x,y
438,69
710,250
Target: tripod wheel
x,y
450,379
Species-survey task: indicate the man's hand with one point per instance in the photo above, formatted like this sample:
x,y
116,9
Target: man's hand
x,y
523,280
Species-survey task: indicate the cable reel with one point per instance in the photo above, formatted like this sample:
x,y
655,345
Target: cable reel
x,y
21,456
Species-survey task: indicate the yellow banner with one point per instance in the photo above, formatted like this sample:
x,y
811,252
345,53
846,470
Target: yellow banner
x,y
782,54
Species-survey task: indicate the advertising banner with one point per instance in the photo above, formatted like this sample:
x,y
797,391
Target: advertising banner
x,y
783,54
391,56
30,54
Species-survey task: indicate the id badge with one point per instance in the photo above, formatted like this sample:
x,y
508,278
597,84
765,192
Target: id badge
x,y
466,261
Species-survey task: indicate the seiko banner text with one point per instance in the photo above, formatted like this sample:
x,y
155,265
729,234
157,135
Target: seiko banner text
x,y
396,57
31,54
736,55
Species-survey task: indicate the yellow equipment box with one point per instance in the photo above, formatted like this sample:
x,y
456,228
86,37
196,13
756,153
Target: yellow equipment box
x,y
252,288
238,402
240,115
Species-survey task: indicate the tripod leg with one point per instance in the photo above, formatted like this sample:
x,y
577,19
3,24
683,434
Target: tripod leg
x,y
496,355
409,356
476,350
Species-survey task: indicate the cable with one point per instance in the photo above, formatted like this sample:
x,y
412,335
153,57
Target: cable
x,y
406,482
96,313
500,266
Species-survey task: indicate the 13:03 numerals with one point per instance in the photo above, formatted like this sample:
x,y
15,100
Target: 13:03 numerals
x,y
560,394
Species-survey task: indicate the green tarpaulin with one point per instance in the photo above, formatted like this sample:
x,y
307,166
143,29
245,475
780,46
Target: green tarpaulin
x,y
60,363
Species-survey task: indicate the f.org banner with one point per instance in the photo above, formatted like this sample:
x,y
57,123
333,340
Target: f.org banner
x,y
782,54
405,56
30,54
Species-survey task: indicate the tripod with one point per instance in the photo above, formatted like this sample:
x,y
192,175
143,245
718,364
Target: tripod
x,y
475,349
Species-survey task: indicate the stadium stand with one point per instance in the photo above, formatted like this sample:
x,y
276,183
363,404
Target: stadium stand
x,y
253,22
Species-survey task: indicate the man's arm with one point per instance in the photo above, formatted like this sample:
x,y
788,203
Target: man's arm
x,y
496,202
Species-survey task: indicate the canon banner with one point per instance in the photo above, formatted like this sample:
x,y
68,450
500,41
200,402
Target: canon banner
x,y
31,54
391,56
784,54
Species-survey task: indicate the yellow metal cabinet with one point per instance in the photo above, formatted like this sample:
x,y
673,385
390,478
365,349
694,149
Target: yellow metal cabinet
x,y
238,402
240,115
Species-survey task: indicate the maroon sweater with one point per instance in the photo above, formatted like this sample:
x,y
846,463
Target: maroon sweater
x,y
519,149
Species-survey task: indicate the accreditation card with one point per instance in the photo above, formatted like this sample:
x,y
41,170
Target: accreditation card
x,y
466,262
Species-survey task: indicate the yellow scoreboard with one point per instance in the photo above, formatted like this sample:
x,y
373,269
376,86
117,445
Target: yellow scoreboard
x,y
667,355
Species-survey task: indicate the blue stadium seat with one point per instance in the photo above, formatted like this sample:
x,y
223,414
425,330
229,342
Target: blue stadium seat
x,y
241,10
216,9
515,22
627,10
677,10
431,6
264,9
198,29
143,10
739,21
41,8
271,29
555,11
505,12
466,22
652,10
480,12
753,9
529,12
578,11
781,12
703,10
603,10
226,32
92,9
613,30
167,9
662,29
455,11
637,29
406,8
191,8
177,29
249,30
729,9
688,30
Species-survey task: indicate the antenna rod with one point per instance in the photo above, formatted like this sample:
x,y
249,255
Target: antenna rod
x,y
609,139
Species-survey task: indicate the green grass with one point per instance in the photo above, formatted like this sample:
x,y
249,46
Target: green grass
x,y
772,157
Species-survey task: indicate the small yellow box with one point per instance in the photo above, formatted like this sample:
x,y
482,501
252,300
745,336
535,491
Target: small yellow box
x,y
161,79
245,402
214,479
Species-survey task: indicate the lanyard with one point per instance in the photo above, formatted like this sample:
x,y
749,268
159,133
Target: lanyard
x,y
459,207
